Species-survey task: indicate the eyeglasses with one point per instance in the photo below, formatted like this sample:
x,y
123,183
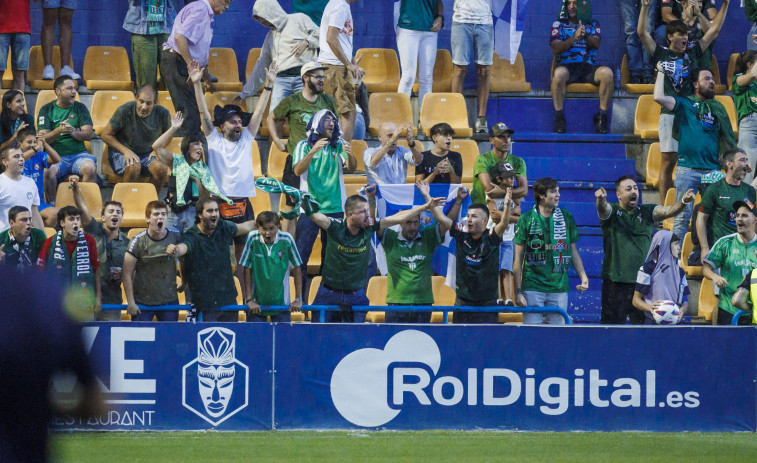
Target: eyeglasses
x,y
318,77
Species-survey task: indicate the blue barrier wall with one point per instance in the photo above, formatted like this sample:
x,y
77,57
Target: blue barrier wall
x,y
99,23
303,376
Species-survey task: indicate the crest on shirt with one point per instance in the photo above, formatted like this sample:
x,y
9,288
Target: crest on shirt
x,y
281,255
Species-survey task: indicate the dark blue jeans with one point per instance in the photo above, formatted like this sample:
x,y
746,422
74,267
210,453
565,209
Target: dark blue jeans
x,y
160,315
345,300
305,236
639,61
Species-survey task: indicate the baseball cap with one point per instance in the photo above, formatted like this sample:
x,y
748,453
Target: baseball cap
x,y
501,169
222,114
746,204
311,66
500,128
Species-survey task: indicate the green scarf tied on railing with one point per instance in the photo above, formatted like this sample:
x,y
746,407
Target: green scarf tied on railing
x,y
300,199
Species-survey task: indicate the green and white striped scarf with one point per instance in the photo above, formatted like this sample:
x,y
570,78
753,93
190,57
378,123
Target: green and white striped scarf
x,y
183,170
300,199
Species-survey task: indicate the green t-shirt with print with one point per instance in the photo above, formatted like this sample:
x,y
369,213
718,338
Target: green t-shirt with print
x,y
678,67
323,178
698,136
270,264
346,261
409,264
417,15
735,261
744,98
626,237
298,111
50,117
717,202
482,164
546,270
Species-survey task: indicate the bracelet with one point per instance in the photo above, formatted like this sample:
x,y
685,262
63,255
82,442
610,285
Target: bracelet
x,y
268,88
298,299
411,146
372,202
519,291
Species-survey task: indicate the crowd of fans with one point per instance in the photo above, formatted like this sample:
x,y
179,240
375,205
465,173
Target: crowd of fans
x,y
504,255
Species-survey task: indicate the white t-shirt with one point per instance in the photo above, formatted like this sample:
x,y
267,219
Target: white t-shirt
x,y
509,233
231,164
472,12
16,193
337,14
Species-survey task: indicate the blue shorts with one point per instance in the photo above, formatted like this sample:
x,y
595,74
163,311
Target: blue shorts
x,y
42,206
71,165
19,44
118,164
477,37
70,4
506,255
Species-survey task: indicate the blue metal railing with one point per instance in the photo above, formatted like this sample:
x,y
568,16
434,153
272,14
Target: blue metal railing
x,y
366,308
739,314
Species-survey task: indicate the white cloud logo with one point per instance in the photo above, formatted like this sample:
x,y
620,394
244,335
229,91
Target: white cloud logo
x,y
359,382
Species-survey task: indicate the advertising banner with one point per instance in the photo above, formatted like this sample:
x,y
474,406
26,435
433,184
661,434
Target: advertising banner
x,y
259,376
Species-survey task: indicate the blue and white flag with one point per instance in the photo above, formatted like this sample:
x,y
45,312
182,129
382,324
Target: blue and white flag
x,y
509,22
391,199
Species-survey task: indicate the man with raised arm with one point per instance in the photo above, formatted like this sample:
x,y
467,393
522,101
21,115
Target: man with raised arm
x,y
347,254
388,163
207,260
678,60
111,247
627,233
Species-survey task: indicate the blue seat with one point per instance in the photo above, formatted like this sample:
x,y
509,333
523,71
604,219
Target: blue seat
x,y
529,149
583,169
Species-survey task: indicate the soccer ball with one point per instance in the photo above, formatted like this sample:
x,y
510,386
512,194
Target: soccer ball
x,y
668,313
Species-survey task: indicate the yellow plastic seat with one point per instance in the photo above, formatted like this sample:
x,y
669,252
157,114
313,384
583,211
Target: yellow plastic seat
x,y
625,79
260,202
50,231
358,147
107,68
37,65
252,58
445,107
257,164
654,163
134,232
352,188
390,107
443,295
727,102
376,293
164,99
222,99
670,199
91,193
442,73
134,197
688,246
242,314
104,104
44,97
719,87
505,77
576,88
276,161
222,63
315,283
314,262
731,69
354,179
382,69
646,121
468,150
707,299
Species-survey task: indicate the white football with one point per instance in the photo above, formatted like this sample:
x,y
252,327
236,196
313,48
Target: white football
x,y
667,313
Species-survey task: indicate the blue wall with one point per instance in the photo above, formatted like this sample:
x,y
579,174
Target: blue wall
x,y
98,22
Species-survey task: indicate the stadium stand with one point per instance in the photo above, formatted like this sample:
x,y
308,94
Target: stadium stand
x,y
670,199
727,101
252,58
707,299
505,77
389,107
442,72
164,99
358,146
376,293
222,63
107,68
382,69
276,161
445,107
688,245
625,80
134,197
468,150
104,104
654,160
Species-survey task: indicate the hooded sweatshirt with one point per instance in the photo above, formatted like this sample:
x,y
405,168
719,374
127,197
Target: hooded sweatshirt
x,y
291,29
661,277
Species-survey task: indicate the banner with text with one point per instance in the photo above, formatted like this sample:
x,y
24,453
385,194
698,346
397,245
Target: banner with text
x,y
313,376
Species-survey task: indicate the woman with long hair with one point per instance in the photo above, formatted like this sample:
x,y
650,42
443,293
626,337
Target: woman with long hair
x,y
13,117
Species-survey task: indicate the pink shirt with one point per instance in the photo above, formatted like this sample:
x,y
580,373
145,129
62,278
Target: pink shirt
x,y
194,22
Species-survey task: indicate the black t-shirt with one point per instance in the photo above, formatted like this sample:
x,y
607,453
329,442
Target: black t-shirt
x,y
430,161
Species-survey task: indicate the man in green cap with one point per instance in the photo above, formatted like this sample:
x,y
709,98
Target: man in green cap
x,y
500,137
